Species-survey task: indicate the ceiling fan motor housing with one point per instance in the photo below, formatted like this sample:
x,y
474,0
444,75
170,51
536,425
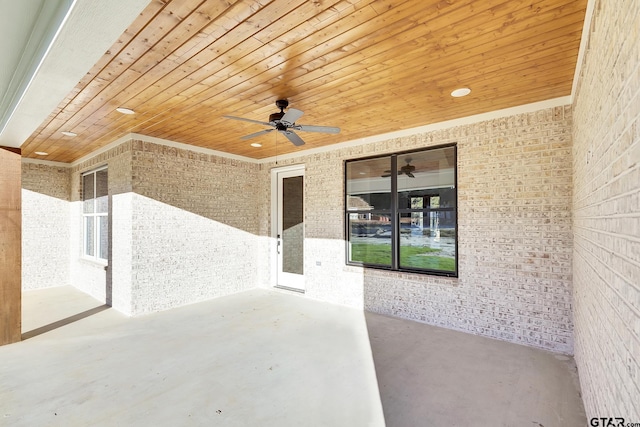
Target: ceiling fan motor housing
x,y
275,117
281,104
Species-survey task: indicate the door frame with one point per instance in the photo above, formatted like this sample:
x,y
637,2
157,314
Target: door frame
x,y
275,204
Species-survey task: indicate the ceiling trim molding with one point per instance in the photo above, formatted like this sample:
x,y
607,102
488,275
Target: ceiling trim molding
x,y
584,45
109,146
194,148
45,162
521,109
160,141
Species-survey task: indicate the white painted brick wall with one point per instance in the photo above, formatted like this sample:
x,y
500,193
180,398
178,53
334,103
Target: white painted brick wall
x,y
180,257
121,250
183,228
514,193
606,167
194,222
45,226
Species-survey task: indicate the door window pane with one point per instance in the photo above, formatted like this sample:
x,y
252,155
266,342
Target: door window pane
x,y
293,225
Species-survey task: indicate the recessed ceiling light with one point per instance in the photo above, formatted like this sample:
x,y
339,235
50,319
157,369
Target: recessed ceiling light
x,y
463,91
362,173
67,133
41,153
256,144
125,110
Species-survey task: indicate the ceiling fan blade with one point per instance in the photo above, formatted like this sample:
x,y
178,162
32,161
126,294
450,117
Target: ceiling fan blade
x,y
321,129
293,137
410,175
253,135
248,120
291,116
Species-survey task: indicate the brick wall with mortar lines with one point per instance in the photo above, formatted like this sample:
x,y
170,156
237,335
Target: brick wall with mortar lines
x,y
90,276
195,222
606,168
515,283
45,226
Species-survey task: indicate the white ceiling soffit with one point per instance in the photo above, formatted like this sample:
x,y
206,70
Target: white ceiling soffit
x,y
51,44
26,31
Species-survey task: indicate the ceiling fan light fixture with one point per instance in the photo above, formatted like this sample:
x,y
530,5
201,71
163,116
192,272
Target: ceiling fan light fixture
x,y
69,133
123,110
256,144
460,92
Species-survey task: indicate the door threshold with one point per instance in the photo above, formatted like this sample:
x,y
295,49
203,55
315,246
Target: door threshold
x,y
287,288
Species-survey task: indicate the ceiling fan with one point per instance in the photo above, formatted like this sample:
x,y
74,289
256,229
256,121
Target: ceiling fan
x,y
406,169
285,123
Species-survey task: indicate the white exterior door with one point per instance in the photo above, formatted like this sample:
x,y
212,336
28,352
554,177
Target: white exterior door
x,y
288,227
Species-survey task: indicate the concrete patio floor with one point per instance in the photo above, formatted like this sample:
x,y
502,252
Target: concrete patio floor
x,y
263,358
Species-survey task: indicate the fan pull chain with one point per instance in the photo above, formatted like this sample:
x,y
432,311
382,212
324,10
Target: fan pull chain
x,y
277,148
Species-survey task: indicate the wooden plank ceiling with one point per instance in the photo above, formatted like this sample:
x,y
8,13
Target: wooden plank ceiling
x,y
366,66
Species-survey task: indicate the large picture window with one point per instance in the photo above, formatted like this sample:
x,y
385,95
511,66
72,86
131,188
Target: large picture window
x,y
95,215
405,220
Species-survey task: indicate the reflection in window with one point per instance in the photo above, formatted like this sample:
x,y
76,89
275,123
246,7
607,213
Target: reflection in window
x,y
95,208
369,208
367,189
370,238
412,228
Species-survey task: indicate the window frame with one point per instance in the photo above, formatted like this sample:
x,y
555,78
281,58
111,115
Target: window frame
x,y
395,213
95,215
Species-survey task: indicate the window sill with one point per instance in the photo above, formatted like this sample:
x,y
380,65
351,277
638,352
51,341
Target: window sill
x,y
94,261
450,275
